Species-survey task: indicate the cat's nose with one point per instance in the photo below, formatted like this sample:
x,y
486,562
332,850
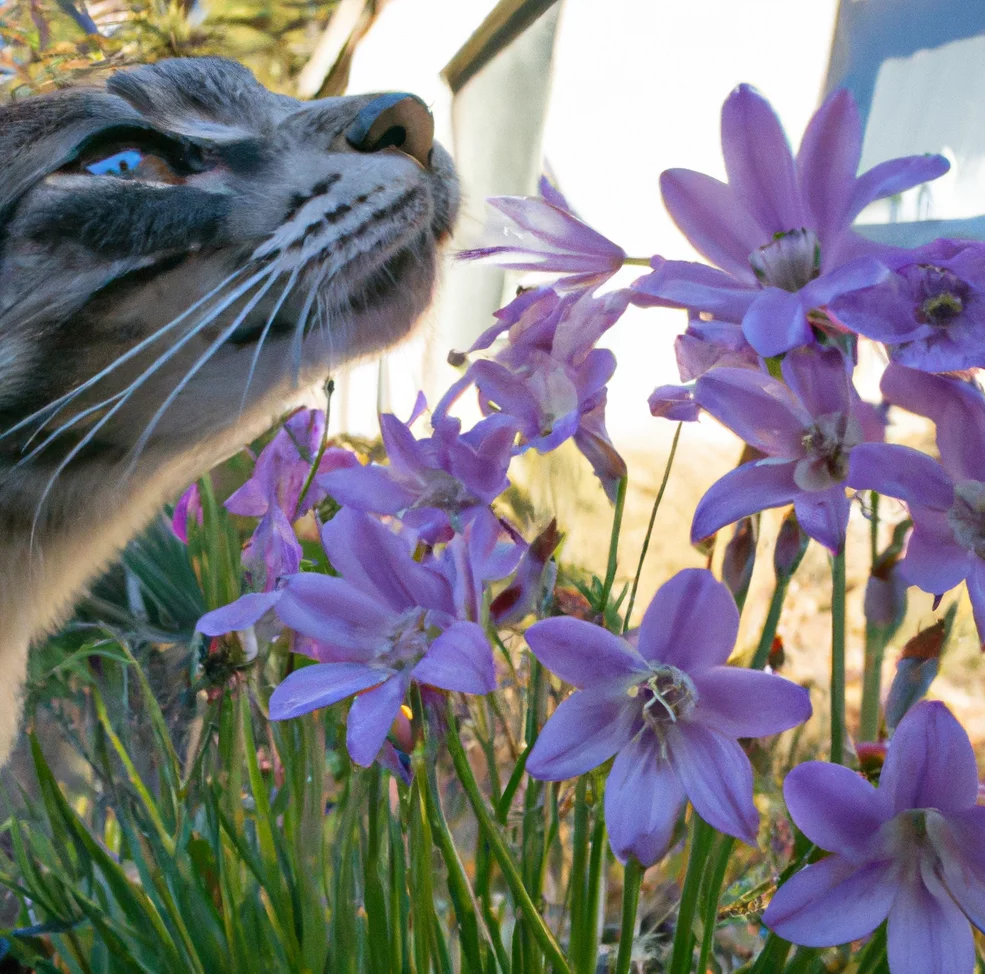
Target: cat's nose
x,y
397,120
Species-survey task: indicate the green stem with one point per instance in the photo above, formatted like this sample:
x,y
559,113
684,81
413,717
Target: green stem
x,y
316,463
637,261
579,868
610,570
712,893
596,876
838,658
762,655
649,528
632,878
701,838
875,646
531,917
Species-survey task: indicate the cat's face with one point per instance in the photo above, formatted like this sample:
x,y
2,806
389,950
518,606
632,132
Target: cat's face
x,y
184,247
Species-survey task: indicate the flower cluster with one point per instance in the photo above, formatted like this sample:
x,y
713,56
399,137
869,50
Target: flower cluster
x,y
423,569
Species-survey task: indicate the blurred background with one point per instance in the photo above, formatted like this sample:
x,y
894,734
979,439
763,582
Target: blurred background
x,y
608,93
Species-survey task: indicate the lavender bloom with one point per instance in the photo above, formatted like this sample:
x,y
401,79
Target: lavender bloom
x,y
189,505
447,474
553,381
780,228
542,234
388,620
272,551
947,544
670,710
912,850
283,467
812,436
931,312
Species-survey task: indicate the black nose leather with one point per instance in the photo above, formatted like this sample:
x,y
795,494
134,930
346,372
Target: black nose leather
x,y
396,120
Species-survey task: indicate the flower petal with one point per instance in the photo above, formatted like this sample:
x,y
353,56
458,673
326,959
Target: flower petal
x,y
699,287
850,276
756,407
833,901
748,489
901,472
930,762
335,613
776,322
927,932
321,685
717,777
587,729
371,488
643,801
827,161
823,514
934,560
748,703
976,592
956,407
459,659
691,623
960,841
892,177
378,562
583,654
759,162
241,614
709,214
835,808
819,378
371,716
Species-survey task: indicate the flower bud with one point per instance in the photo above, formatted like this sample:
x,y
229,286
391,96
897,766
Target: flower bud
x,y
791,544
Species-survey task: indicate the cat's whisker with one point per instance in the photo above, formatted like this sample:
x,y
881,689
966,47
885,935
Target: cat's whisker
x,y
130,390
56,405
288,288
221,340
300,329
122,396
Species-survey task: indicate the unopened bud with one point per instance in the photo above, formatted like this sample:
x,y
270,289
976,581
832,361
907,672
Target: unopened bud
x,y
791,545
740,559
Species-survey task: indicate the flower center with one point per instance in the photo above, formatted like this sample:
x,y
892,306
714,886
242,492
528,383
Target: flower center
x,y
790,261
667,695
827,443
941,294
409,639
446,492
967,516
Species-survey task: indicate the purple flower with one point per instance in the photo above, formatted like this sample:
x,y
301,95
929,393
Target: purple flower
x,y
447,474
534,580
542,234
810,431
912,850
670,710
947,544
189,505
388,620
283,467
272,551
931,312
552,381
780,228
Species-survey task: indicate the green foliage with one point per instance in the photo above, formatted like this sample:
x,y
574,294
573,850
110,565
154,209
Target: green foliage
x,y
49,45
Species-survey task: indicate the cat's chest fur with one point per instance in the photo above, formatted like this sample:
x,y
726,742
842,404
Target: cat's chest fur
x,y
183,254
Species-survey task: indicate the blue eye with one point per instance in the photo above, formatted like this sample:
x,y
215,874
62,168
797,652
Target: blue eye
x,y
119,164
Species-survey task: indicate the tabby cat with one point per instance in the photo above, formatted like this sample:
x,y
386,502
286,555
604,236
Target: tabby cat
x,y
184,254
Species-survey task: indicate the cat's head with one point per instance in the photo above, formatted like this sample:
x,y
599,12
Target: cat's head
x,y
183,246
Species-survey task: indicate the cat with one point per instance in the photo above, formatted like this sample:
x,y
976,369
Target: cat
x,y
184,254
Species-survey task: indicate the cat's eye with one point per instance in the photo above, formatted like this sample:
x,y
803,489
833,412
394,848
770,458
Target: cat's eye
x,y
133,163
